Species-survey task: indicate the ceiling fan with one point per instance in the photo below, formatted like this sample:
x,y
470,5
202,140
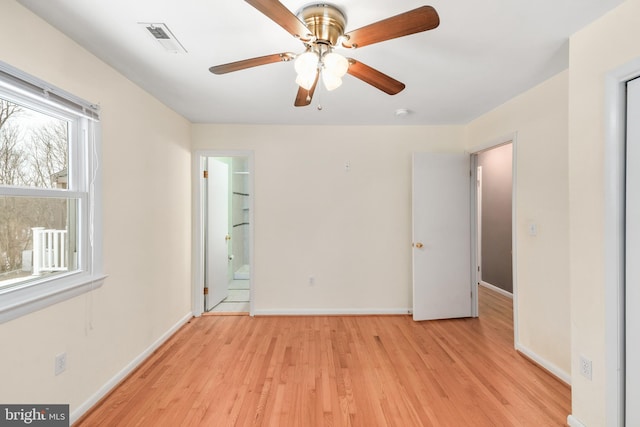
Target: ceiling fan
x,y
320,27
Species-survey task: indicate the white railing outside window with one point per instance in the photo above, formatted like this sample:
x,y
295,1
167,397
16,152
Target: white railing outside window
x,y
49,250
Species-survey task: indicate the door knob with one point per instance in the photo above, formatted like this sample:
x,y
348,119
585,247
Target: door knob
x,y
227,238
419,245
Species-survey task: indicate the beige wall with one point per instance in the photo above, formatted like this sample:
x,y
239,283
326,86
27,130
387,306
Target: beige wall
x,y
539,117
146,169
599,48
351,230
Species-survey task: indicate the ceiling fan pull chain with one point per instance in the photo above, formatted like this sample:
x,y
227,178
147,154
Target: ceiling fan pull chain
x,y
319,91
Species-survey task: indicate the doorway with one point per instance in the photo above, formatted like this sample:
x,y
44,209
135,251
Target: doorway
x,y
494,218
460,196
494,166
223,232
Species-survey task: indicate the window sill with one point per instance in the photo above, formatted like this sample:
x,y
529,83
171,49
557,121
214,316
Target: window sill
x,y
18,302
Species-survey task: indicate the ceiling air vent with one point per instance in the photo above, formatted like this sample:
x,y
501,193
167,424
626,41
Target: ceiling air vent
x,y
163,35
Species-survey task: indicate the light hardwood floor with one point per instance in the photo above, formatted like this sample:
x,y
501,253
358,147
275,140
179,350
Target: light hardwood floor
x,y
339,371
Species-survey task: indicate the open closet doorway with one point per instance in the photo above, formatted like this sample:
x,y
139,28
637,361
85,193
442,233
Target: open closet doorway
x,y
224,233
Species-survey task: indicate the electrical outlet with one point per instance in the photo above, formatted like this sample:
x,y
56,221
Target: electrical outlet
x,y
61,363
585,367
312,280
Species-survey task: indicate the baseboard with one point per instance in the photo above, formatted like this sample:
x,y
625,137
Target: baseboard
x,y
574,422
334,312
545,364
113,382
496,289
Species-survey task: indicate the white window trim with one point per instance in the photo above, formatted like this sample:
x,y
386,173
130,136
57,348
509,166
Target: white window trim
x,y
35,295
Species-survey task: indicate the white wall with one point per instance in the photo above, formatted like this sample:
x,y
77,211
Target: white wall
x,y
601,47
540,117
146,173
351,230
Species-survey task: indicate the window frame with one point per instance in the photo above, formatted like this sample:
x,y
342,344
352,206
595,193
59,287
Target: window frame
x,y
84,185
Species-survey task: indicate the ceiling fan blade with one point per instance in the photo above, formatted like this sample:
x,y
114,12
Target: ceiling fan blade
x,y
414,21
253,62
374,77
282,16
304,96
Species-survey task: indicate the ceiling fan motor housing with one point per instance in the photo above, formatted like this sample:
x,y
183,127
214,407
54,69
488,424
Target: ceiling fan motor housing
x,y
325,22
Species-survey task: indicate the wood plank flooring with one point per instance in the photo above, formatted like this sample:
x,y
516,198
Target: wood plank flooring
x,y
339,371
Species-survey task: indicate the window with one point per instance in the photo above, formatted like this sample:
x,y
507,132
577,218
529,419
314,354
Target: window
x,y
50,228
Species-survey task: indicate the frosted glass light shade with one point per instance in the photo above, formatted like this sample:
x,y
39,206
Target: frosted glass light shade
x,y
306,80
307,63
306,66
335,64
330,81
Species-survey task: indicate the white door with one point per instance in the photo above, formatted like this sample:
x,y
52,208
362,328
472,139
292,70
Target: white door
x,y
217,240
441,236
632,243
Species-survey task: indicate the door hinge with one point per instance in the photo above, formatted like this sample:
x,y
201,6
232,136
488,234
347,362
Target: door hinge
x,y
206,291
205,174
478,268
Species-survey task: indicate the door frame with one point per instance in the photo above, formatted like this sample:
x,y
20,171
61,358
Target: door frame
x,y
198,218
474,151
614,237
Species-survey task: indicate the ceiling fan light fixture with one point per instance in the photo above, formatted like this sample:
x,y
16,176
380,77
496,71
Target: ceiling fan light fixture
x,y
331,81
307,63
306,66
306,80
321,29
335,64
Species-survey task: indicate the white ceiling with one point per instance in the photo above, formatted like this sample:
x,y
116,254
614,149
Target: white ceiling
x,y
482,54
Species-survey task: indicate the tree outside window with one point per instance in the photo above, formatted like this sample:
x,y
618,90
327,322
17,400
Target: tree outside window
x,y
34,152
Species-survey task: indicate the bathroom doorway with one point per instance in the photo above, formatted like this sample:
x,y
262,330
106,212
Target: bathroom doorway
x,y
224,232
